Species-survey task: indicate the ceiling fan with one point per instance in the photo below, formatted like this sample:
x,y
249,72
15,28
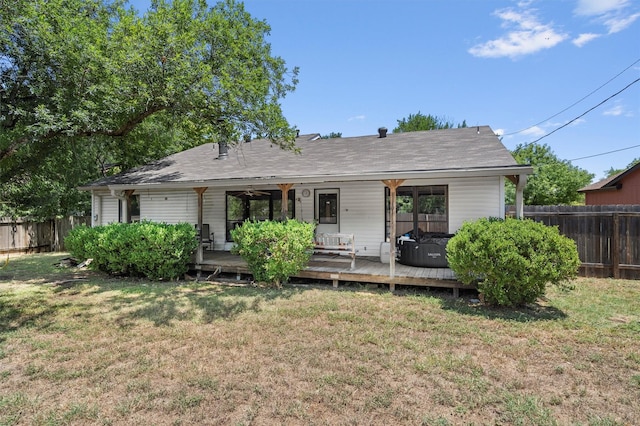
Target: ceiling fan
x,y
250,192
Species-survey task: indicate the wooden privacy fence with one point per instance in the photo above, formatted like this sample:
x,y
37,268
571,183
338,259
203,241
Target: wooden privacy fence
x,y
26,236
607,237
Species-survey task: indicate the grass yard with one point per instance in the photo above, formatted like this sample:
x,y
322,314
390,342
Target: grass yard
x,y
99,350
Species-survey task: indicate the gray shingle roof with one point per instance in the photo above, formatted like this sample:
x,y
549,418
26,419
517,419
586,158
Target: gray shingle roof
x,y
434,150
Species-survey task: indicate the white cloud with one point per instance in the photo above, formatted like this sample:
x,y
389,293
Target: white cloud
x,y
613,14
583,39
357,118
498,132
525,3
619,23
534,131
615,110
599,7
527,35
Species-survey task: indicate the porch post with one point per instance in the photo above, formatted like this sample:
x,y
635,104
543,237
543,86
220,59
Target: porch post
x,y
199,255
96,209
392,184
521,182
284,188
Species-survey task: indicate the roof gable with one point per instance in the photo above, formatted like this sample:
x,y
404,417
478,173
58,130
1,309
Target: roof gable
x,y
611,182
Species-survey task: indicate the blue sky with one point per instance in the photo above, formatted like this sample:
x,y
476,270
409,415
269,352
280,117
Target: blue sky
x,y
525,68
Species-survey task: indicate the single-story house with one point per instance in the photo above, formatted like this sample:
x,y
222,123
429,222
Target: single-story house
x,y
622,188
441,178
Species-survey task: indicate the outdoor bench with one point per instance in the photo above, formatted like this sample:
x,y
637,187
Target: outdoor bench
x,y
337,244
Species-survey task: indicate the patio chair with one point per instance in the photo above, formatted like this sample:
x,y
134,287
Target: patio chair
x,y
206,237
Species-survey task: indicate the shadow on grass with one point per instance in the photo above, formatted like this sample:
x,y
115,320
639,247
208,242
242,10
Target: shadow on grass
x,y
25,267
468,304
47,291
528,313
29,312
165,303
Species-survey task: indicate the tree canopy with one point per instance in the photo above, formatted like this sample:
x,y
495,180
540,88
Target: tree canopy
x,y
554,181
89,87
332,135
612,171
419,121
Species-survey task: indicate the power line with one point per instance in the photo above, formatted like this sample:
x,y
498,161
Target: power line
x,y
575,103
584,113
605,153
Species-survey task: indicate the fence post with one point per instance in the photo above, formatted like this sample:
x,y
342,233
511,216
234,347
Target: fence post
x,y
615,246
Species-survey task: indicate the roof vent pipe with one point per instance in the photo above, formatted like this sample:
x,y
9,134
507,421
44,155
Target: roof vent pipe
x,y
222,150
382,132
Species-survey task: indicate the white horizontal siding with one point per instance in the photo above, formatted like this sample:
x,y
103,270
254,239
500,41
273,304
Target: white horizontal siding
x,y
169,206
361,207
182,206
471,199
304,205
109,207
362,214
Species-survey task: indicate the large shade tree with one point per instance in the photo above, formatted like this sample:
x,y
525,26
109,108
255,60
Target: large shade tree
x,y
554,181
89,87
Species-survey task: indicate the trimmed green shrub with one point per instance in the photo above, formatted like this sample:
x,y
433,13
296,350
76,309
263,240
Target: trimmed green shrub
x,y
79,240
513,260
273,250
146,249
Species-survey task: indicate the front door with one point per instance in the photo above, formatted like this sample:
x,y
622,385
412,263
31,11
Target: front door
x,y
327,210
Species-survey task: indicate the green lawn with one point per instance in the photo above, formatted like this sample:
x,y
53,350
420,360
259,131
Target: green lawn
x,y
78,347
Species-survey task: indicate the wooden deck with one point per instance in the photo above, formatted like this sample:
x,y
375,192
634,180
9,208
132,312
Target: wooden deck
x,y
336,269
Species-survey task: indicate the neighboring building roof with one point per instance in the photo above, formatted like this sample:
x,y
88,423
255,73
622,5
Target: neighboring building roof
x,y
611,182
447,152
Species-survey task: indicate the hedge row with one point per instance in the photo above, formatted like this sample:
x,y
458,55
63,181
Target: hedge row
x,y
146,249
